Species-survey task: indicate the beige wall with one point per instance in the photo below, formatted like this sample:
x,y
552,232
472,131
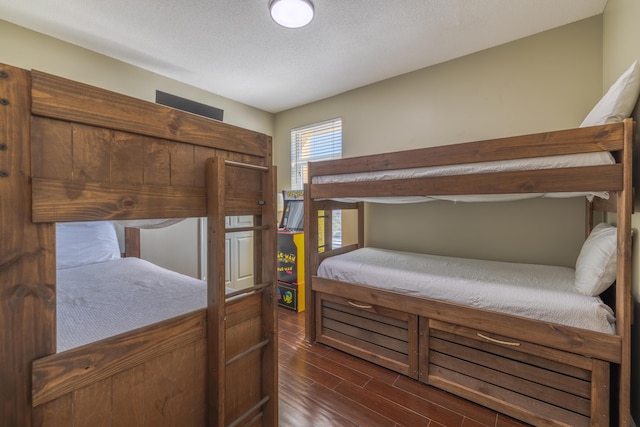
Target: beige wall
x,y
30,50
621,46
547,81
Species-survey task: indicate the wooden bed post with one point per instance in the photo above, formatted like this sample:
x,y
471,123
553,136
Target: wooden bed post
x,y
624,297
268,250
27,257
216,332
310,261
132,242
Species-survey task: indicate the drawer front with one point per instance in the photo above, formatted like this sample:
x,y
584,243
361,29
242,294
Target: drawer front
x,y
377,334
509,376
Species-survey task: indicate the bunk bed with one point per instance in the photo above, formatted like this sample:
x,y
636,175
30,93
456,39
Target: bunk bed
x,y
74,153
539,369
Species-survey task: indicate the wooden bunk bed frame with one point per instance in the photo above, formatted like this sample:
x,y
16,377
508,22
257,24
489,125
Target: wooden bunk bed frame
x,y
575,366
73,152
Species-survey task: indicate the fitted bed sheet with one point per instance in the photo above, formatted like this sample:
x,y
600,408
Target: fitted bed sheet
x,y
539,292
104,299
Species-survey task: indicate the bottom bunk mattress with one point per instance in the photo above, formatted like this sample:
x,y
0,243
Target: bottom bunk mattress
x,y
100,300
541,292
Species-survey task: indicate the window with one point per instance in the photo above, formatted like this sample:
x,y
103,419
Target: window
x,y
319,141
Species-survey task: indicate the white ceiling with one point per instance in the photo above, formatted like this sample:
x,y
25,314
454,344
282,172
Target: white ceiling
x,y
234,49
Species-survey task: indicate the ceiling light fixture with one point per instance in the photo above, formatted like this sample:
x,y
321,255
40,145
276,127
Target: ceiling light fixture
x,y
291,13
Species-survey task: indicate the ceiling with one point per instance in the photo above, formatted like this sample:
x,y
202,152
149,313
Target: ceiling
x,y
234,49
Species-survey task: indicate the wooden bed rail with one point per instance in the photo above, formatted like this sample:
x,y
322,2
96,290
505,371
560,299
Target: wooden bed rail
x,y
89,364
570,141
67,100
600,178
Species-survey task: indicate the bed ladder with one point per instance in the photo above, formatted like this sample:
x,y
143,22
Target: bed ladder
x,y
242,325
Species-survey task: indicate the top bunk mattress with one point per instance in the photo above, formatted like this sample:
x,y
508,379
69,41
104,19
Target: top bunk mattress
x,y
100,300
536,163
539,292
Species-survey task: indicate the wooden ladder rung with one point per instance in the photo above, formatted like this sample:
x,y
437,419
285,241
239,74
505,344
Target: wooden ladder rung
x,y
246,165
242,229
247,352
246,291
248,412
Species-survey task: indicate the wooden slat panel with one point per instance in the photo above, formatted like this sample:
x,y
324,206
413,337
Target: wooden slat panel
x,y
240,310
182,164
55,201
200,398
243,385
57,413
481,355
158,406
243,190
183,391
91,153
573,340
536,384
201,155
157,163
581,140
389,359
27,259
510,403
365,335
374,312
51,151
359,317
243,336
61,373
127,159
559,361
60,98
378,328
579,179
92,405
128,397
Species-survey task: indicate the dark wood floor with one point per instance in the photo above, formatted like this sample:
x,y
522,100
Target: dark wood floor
x,y
320,386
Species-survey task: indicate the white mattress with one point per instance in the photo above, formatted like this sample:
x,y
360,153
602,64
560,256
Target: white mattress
x,y
100,300
534,291
550,162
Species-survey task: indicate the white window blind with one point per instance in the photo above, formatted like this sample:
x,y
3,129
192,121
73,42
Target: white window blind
x,y
319,141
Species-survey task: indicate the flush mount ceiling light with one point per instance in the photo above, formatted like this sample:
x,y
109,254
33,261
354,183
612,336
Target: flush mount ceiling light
x,y
291,13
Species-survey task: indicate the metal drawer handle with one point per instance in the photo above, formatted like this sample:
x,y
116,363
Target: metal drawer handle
x,y
359,305
514,344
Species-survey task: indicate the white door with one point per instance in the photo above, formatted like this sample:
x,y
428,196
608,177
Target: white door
x,y
238,252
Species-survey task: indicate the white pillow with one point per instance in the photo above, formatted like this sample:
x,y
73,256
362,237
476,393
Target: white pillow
x,y
596,263
82,243
617,104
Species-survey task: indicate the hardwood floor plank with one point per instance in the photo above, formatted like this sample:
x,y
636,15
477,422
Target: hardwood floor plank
x,y
381,405
367,368
424,407
476,412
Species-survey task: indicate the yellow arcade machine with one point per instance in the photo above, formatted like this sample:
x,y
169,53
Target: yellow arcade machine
x,y
291,251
